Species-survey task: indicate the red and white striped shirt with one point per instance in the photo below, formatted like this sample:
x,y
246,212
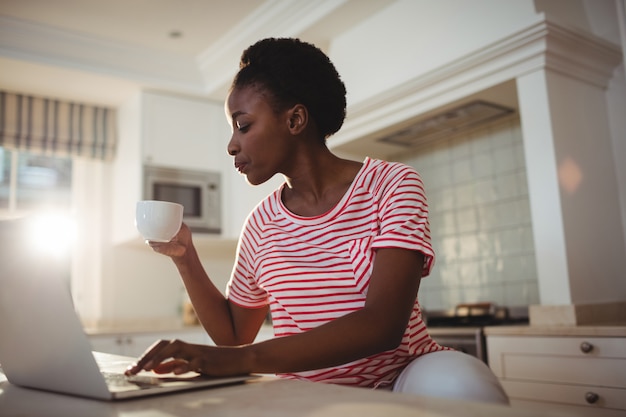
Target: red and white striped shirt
x,y
312,270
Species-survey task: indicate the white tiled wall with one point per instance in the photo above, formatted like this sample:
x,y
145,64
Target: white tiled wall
x,y
480,218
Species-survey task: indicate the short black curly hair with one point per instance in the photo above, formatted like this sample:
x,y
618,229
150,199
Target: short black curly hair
x,y
292,71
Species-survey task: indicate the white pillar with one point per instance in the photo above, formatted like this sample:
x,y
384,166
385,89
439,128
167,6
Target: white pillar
x,y
545,204
89,187
579,244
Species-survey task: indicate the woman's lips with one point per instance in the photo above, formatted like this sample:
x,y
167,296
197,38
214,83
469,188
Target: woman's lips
x,y
240,166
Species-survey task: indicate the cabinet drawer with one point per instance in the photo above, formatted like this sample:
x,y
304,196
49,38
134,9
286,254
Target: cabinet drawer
x,y
597,347
607,398
573,360
568,370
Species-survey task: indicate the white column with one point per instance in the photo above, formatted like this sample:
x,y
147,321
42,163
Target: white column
x,y
543,187
89,188
579,244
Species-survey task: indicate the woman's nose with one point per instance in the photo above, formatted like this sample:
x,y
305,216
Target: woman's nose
x,y
232,147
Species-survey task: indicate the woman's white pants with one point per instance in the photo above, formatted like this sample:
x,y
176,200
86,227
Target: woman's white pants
x,y
451,374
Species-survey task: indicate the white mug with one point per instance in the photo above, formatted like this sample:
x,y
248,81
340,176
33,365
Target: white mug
x,y
158,221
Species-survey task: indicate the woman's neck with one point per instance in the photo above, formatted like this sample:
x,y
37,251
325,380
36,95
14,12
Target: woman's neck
x,y
318,184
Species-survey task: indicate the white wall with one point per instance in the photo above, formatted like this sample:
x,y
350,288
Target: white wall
x,y
413,40
141,285
126,182
90,180
413,37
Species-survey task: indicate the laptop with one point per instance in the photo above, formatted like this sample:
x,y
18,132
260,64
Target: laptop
x,y
42,341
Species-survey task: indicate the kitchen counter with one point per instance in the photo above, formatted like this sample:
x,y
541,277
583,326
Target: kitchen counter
x,y
460,331
601,330
172,327
267,396
167,326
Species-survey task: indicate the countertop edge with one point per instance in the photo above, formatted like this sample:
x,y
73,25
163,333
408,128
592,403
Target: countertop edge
x,y
600,330
147,328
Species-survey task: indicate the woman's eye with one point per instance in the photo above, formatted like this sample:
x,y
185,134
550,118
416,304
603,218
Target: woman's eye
x,y
242,127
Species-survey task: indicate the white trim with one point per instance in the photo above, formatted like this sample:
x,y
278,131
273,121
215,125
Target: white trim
x,y
29,41
540,45
207,74
13,182
621,20
277,18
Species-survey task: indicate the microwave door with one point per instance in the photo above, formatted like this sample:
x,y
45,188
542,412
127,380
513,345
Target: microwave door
x,y
197,191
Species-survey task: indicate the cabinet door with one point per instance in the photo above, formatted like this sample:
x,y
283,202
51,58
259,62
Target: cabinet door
x,y
115,344
139,344
572,396
143,341
134,344
568,359
183,132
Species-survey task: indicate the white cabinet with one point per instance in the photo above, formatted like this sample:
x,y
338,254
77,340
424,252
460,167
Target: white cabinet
x,y
165,131
115,344
177,132
190,133
135,343
584,375
183,132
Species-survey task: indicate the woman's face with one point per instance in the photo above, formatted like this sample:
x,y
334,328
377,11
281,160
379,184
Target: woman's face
x,y
260,140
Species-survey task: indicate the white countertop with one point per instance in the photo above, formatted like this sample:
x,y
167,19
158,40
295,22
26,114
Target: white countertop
x,y
129,328
267,396
456,331
138,325
599,330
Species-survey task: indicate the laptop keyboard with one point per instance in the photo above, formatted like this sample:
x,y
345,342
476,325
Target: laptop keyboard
x,y
114,379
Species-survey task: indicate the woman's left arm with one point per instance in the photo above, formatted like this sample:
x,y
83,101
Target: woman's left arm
x,y
377,327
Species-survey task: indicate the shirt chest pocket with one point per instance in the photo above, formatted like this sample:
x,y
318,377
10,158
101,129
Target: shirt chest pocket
x,y
361,259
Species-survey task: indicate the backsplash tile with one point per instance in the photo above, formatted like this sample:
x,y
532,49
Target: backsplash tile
x,y
480,218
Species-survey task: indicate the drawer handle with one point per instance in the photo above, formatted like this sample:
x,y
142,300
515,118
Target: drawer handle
x,y
586,347
591,397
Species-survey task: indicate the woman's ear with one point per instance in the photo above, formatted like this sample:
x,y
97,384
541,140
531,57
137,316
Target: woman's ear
x,y
297,118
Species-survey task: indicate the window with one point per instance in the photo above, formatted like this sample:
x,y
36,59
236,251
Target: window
x,y
33,182
39,136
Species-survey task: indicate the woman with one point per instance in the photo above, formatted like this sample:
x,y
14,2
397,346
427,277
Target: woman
x,y
336,253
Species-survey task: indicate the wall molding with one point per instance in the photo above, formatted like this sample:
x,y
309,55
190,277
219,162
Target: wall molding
x,y
206,74
541,45
44,44
278,18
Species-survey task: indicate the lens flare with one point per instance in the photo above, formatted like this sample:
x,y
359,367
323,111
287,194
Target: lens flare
x,y
53,233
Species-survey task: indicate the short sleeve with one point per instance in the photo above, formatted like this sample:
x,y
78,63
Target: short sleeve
x,y
403,215
243,289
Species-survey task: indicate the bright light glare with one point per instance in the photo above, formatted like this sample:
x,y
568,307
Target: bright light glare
x,y
53,233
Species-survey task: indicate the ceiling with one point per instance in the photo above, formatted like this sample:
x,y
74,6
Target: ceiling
x,y
102,52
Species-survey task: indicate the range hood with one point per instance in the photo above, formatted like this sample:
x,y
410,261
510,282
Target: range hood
x,y
444,124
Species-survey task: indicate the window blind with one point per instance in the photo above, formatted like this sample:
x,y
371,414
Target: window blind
x,y
56,127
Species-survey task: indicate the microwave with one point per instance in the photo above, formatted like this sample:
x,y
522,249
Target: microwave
x,y
198,191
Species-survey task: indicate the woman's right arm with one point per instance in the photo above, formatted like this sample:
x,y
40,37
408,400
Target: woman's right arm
x,y
226,323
